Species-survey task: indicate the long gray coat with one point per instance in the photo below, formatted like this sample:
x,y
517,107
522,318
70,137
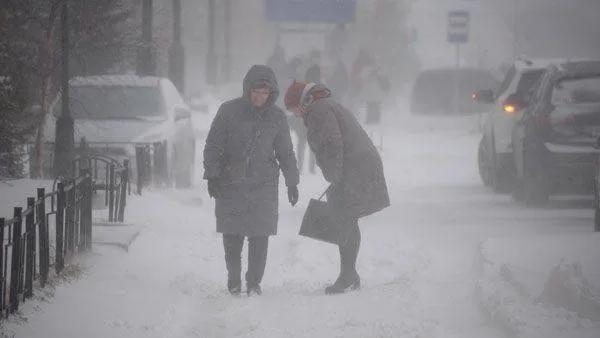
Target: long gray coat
x,y
245,149
347,157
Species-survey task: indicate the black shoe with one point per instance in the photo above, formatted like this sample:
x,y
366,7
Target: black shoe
x,y
342,285
254,290
234,287
235,291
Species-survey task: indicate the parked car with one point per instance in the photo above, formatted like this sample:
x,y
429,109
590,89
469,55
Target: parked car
x,y
597,191
494,155
448,90
127,115
554,140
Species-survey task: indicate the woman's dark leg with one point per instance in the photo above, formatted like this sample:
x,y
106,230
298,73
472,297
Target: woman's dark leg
x,y
349,251
348,278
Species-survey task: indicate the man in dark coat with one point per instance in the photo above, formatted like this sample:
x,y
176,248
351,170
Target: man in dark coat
x,y
248,143
349,161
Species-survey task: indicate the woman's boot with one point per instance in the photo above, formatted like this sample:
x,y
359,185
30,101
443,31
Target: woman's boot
x,y
343,284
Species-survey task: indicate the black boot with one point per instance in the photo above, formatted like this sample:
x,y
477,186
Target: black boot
x,y
257,260
343,284
253,290
234,286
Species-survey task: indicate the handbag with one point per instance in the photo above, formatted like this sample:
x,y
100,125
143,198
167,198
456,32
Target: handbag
x,y
322,222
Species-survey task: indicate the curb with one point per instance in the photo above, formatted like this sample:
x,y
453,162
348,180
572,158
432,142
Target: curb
x,y
120,235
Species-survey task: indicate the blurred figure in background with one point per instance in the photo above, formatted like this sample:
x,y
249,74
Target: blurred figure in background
x,y
313,75
338,81
278,63
368,86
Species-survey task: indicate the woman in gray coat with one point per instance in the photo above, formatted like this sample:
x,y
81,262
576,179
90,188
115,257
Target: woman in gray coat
x,y
248,143
349,161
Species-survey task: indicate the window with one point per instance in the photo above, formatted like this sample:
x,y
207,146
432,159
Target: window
x,y
528,79
114,102
576,91
510,75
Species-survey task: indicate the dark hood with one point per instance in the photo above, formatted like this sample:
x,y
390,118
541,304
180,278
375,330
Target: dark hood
x,y
261,73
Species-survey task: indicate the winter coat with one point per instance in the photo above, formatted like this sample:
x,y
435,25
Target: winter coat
x,y
245,149
346,156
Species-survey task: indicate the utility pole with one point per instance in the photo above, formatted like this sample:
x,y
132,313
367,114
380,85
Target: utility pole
x,y
211,57
64,138
177,53
146,61
514,34
227,56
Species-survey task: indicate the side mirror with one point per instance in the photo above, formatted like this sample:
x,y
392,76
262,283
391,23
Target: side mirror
x,y
182,114
196,103
483,96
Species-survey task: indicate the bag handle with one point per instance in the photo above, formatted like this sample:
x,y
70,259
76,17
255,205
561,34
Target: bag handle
x,y
325,192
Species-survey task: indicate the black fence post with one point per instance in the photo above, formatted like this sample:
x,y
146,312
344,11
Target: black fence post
x,y
30,252
111,193
16,254
88,214
82,192
2,276
43,238
71,214
60,227
124,185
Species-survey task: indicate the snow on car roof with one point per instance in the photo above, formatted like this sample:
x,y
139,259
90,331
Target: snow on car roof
x,y
115,80
538,63
580,67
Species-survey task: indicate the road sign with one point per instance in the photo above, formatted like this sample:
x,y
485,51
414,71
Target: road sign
x,y
458,26
316,11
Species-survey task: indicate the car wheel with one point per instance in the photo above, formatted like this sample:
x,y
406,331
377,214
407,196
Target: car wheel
x,y
535,192
503,178
483,165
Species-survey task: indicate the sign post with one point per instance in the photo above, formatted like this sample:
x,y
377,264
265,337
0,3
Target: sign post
x,y
458,33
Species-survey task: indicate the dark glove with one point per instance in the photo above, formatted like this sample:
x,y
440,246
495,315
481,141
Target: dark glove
x,y
213,187
293,194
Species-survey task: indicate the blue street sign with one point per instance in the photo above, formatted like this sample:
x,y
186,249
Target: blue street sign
x,y
317,11
458,26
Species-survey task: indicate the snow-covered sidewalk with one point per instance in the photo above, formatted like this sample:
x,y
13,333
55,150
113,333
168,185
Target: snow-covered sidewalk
x,y
172,282
425,270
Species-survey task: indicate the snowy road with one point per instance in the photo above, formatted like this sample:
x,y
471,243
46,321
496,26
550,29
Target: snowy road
x,y
419,259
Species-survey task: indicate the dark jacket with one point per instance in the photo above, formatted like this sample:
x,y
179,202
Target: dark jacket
x,y
347,157
245,149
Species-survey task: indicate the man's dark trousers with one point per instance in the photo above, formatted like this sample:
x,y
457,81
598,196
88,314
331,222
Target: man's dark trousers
x,y
257,259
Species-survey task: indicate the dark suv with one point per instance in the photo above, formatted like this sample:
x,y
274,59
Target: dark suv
x,y
554,141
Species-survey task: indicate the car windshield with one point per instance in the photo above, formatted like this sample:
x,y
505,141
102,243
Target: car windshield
x,y
114,102
528,79
576,90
